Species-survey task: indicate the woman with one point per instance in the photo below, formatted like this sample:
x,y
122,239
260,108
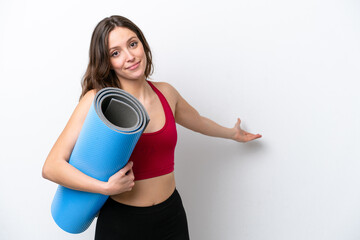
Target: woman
x,y
143,202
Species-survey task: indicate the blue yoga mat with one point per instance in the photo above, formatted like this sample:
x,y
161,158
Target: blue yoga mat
x,y
108,136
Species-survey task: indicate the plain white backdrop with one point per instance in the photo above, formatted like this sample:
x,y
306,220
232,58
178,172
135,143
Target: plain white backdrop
x,y
289,69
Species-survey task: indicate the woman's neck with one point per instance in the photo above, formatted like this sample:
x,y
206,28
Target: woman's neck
x,y
138,88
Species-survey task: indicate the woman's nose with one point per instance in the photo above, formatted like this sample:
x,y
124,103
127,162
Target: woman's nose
x,y
129,56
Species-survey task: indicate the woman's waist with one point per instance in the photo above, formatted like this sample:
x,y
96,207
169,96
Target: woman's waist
x,y
148,192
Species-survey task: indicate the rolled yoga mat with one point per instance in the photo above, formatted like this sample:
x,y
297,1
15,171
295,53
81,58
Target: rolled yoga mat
x,y
107,138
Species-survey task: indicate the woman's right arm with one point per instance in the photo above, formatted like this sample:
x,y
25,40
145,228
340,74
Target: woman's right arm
x,y
57,168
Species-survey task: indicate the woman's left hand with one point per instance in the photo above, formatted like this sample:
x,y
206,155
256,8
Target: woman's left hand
x,y
243,136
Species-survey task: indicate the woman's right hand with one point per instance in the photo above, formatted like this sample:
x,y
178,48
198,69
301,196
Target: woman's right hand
x,y
122,181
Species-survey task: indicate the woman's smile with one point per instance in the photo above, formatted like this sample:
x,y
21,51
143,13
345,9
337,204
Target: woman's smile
x,y
127,56
133,67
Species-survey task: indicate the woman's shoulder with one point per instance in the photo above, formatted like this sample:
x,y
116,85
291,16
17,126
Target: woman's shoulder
x,y
88,96
86,101
166,88
169,92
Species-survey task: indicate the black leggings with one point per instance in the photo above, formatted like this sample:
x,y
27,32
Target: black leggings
x,y
166,220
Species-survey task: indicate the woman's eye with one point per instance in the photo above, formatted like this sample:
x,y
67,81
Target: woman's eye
x,y
133,44
114,54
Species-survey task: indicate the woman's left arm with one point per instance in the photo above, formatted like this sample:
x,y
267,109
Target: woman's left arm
x,y
188,117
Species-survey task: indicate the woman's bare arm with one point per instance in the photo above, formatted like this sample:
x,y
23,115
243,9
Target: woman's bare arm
x,y
57,169
188,117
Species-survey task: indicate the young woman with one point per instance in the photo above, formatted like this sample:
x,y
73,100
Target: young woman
x,y
143,202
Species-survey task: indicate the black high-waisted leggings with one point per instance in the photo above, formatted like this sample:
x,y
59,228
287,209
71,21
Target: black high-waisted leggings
x,y
166,220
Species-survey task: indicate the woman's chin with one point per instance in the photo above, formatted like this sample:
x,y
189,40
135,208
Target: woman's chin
x,y
132,77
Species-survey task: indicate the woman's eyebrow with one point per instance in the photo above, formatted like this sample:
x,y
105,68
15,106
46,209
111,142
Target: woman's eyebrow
x,y
127,42
131,38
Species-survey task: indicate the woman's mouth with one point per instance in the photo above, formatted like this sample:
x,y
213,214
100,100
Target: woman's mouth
x,y
132,67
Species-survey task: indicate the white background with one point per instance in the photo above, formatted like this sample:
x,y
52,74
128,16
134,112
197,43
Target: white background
x,y
289,69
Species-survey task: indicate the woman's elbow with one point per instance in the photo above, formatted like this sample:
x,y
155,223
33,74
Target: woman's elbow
x,y
45,171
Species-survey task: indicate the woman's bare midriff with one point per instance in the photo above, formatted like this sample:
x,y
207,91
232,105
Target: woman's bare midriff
x,y
148,192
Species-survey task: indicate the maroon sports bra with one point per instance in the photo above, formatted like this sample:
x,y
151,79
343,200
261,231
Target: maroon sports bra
x,y
153,154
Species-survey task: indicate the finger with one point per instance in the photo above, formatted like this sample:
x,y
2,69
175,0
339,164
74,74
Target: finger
x,y
127,167
253,137
247,132
131,185
250,134
130,175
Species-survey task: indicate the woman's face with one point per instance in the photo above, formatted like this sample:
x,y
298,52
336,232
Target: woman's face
x,y
127,56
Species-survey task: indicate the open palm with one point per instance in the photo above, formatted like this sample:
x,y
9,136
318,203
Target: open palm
x,y
243,136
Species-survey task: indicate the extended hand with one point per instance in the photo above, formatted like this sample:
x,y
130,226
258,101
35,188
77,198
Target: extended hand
x,y
243,136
